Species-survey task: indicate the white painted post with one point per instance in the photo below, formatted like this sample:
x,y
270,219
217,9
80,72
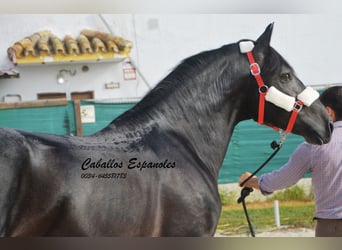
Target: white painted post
x,y
276,213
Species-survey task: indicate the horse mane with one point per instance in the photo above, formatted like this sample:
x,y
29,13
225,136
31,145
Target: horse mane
x,y
193,69
202,75
179,84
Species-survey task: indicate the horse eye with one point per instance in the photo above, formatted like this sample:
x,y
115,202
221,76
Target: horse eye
x,y
285,77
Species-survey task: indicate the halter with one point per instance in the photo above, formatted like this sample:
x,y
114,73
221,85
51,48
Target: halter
x,y
273,95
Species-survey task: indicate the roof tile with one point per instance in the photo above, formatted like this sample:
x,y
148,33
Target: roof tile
x,y
89,42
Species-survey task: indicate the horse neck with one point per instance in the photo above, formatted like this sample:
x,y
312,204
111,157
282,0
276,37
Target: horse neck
x,y
202,108
208,132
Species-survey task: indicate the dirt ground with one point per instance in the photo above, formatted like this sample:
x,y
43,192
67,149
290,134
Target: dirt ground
x,y
280,232
290,232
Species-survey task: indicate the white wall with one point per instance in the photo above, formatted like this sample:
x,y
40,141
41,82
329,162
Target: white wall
x,y
42,78
311,44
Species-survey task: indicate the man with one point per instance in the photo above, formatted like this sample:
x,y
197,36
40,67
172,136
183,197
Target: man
x,y
325,164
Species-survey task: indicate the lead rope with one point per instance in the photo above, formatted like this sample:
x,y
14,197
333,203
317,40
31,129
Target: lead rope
x,y
246,190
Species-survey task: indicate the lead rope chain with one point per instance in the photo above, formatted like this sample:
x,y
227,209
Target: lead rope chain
x,y
246,190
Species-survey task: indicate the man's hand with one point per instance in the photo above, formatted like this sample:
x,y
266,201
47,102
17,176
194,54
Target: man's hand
x,y
252,183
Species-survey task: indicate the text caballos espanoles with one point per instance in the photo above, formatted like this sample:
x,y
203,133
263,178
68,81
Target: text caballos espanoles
x,y
133,163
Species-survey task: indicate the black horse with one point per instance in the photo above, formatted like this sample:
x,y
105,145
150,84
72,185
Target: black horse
x,y
152,171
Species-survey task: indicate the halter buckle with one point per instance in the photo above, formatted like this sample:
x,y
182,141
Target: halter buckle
x,y
263,89
298,105
255,69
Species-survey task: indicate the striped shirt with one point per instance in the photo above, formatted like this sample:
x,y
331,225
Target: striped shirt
x,y
325,165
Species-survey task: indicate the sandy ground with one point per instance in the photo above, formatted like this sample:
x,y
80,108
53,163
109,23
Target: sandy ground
x,y
279,232
293,232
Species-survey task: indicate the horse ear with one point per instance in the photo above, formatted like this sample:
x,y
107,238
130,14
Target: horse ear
x,y
265,38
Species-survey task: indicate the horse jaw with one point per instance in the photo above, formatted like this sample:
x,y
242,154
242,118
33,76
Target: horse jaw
x,y
316,129
316,137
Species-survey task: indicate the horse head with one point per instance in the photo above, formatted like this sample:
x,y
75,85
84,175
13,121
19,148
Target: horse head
x,y
280,99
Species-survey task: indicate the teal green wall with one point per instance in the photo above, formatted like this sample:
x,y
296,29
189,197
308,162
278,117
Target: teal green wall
x,y
249,146
54,120
104,113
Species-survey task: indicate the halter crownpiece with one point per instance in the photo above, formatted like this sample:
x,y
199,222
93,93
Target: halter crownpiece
x,y
246,46
275,96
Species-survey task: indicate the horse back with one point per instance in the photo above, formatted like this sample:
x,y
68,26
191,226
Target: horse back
x,y
57,194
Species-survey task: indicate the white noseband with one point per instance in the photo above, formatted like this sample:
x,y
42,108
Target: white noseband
x,y
284,101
